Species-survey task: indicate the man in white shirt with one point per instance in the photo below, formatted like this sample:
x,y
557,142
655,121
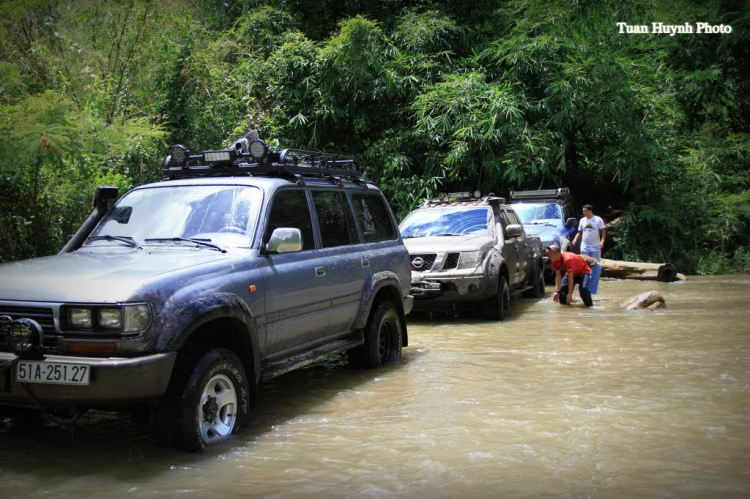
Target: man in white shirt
x,y
594,234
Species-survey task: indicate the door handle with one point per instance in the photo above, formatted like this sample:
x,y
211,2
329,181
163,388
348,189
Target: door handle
x,y
365,262
320,271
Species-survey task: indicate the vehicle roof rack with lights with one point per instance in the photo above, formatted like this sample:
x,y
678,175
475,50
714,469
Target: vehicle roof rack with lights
x,y
251,156
561,192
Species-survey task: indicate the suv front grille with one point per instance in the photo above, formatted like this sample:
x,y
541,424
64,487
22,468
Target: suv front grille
x,y
423,262
451,261
43,316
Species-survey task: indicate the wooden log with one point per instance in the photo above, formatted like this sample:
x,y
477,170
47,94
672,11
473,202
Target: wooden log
x,y
664,272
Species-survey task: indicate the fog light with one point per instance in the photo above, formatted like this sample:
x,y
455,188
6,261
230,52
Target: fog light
x,y
26,336
110,317
79,317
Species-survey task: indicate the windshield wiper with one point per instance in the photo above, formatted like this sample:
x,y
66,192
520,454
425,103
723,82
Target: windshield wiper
x,y
125,239
200,242
447,234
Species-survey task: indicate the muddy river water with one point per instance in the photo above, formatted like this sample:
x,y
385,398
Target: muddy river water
x,y
555,402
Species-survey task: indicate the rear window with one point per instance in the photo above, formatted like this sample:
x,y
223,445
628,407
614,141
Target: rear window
x,y
373,218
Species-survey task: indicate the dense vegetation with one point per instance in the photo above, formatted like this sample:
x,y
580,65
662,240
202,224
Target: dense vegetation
x,y
431,95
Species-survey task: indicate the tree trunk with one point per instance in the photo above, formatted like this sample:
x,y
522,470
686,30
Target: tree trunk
x,y
664,272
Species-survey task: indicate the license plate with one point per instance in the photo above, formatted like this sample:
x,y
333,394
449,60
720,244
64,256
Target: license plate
x,y
53,373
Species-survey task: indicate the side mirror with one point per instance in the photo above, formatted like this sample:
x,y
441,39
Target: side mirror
x,y
571,223
285,240
513,230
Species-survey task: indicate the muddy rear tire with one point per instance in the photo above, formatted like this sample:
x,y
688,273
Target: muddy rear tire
x,y
497,308
383,338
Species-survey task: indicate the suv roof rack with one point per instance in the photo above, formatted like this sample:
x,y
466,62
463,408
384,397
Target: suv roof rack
x,y
561,192
251,156
464,199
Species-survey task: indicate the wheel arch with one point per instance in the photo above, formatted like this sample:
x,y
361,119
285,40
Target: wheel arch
x,y
382,286
218,320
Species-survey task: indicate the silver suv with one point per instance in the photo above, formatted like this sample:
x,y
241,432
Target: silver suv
x,y
245,264
468,250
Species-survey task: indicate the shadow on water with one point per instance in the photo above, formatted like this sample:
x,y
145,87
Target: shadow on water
x,y
115,445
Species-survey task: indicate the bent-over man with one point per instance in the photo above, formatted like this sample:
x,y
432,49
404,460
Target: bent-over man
x,y
571,269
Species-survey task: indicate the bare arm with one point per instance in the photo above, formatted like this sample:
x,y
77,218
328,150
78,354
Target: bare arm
x,y
558,283
575,239
571,286
604,238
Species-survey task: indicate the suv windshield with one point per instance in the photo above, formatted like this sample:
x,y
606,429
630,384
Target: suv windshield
x,y
539,213
224,215
447,222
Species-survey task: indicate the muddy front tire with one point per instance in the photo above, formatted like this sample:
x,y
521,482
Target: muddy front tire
x,y
383,337
537,290
497,308
209,402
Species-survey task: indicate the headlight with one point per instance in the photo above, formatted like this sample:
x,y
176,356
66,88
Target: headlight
x,y
79,317
110,317
135,318
470,259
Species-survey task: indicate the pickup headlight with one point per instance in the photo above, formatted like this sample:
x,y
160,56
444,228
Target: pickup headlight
x,y
128,318
470,259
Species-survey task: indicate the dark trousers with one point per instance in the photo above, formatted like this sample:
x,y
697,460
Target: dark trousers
x,y
583,290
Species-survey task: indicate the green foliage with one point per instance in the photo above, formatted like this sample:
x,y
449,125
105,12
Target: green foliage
x,y
431,96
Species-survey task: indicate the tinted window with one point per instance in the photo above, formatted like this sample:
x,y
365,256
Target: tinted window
x,y
334,218
373,217
290,209
505,219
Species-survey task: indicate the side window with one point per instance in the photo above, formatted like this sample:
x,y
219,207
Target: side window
x,y
290,209
505,219
373,218
334,218
513,218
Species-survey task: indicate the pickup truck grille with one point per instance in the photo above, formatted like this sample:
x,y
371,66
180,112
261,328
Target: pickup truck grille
x,y
451,261
43,316
423,262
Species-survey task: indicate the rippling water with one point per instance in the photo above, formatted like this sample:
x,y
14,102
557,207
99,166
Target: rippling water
x,y
555,402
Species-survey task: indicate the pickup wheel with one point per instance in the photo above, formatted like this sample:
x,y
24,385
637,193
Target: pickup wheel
x,y
208,405
537,283
497,308
382,338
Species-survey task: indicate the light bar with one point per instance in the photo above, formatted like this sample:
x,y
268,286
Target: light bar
x,y
218,156
541,193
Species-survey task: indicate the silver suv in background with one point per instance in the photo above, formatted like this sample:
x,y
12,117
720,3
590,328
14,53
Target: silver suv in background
x,y
468,250
244,264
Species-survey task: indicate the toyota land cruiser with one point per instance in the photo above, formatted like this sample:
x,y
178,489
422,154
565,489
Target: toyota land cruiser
x,y
241,265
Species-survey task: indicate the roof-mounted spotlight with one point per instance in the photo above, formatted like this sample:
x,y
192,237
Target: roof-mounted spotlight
x,y
477,194
258,149
179,155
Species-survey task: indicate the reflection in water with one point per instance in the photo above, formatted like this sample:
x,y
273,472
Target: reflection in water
x,y
558,401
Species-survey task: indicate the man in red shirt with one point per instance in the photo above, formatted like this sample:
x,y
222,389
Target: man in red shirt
x,y
577,270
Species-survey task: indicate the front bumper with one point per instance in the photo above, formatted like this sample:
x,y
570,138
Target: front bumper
x,y
433,292
408,304
114,381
